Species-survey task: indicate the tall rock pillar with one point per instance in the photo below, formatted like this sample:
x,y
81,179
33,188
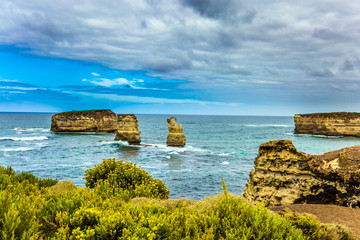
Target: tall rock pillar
x,y
127,129
176,137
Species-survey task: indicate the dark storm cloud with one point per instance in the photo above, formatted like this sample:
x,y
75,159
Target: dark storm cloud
x,y
225,9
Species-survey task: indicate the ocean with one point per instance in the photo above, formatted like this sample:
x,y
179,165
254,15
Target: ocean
x,y
217,147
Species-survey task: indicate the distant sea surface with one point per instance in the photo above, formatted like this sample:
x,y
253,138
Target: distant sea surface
x,y
217,147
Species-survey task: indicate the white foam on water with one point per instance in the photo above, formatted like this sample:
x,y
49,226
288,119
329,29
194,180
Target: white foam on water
x,y
38,138
224,154
19,149
168,157
225,163
317,136
30,129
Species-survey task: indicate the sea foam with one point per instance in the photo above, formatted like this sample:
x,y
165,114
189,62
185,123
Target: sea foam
x,y
19,149
38,138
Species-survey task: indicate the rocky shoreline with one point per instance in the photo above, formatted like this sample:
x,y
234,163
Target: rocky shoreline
x,y
283,175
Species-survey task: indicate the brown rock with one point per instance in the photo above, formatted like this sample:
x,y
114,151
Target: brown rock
x,y
176,137
127,129
328,124
284,176
84,121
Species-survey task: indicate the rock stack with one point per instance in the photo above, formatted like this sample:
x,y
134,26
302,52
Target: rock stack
x,y
84,121
284,176
127,129
176,137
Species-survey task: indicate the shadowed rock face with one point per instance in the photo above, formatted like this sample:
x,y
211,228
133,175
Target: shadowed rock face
x,y
328,124
84,121
284,176
176,137
127,129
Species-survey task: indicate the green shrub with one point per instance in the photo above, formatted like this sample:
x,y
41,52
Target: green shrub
x,y
63,211
9,177
124,179
313,229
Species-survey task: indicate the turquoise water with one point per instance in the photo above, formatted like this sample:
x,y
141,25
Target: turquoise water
x,y
218,147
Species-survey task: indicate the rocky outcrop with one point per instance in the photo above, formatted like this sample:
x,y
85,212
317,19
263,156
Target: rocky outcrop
x,y
84,121
284,176
127,129
176,137
328,124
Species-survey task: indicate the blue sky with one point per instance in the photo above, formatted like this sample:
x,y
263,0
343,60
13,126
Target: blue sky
x,y
180,56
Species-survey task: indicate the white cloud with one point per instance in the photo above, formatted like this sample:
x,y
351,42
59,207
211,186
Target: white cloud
x,y
95,74
20,88
105,82
6,80
233,45
138,99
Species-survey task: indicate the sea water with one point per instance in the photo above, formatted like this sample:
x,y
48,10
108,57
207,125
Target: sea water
x,y
217,147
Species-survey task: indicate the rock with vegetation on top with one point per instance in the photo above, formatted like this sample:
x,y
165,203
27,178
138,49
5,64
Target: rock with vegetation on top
x,y
328,124
84,121
284,176
176,137
127,129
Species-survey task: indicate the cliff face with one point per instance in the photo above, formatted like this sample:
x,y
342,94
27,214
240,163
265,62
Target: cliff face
x,y
176,137
283,176
328,124
127,129
84,121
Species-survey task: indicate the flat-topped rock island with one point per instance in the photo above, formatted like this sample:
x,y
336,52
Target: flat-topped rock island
x,y
328,124
84,121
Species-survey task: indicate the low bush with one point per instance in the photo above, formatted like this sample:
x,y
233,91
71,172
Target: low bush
x,y
125,180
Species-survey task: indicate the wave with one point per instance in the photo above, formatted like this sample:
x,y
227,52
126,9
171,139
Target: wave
x,y
19,149
223,154
225,163
267,125
315,136
31,129
38,138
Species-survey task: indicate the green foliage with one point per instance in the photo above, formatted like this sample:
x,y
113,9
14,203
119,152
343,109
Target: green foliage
x,y
9,177
313,229
63,211
125,180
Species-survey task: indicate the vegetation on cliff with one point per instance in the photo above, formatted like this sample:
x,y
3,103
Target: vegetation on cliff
x,y
121,201
341,115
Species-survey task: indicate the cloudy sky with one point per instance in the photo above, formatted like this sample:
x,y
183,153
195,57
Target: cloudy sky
x,y
180,56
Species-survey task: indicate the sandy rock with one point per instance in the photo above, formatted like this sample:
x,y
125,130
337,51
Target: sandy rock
x,y
284,176
176,137
328,124
127,129
84,121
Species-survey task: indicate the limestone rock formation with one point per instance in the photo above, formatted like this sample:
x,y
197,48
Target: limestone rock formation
x,y
127,129
176,137
284,176
84,121
328,124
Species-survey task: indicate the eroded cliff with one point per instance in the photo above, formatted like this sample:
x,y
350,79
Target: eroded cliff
x,y
84,121
328,124
127,129
284,176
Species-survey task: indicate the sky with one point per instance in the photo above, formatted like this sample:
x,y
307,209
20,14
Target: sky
x,y
216,57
